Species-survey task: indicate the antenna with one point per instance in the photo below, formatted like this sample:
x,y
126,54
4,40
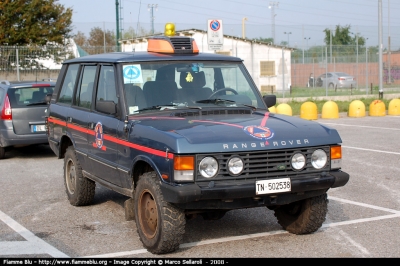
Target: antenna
x,y
152,6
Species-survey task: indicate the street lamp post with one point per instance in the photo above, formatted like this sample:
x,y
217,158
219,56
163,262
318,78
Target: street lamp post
x,y
243,28
288,34
272,6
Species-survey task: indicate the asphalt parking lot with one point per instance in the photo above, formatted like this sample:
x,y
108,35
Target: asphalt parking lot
x,y
363,221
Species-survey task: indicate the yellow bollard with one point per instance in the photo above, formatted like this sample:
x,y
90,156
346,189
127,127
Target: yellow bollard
x,y
356,109
284,109
394,107
330,109
272,109
308,110
377,108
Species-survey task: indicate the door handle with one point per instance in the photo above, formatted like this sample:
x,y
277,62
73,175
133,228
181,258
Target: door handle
x,y
91,125
69,119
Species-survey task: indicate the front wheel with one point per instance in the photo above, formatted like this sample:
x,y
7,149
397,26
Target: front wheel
x,y
80,190
303,217
160,225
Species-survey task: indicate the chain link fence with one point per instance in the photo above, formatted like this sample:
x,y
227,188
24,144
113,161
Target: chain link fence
x,y
301,73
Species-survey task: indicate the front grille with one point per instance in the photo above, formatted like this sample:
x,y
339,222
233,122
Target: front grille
x,y
264,164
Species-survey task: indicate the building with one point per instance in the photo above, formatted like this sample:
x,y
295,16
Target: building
x,y
268,64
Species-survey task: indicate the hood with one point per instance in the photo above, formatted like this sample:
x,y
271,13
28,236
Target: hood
x,y
225,132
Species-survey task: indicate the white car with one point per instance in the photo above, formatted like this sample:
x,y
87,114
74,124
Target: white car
x,y
336,80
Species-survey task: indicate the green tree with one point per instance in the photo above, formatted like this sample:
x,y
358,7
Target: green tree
x,y
24,22
97,37
343,36
268,40
80,39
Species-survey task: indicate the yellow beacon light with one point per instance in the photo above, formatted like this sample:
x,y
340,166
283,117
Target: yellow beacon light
x,y
169,29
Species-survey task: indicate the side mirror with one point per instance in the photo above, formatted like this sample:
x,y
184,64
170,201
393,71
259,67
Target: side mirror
x,y
270,100
107,107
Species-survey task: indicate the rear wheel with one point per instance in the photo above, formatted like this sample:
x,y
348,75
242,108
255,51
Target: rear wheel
x,y
160,225
80,190
303,217
331,86
2,152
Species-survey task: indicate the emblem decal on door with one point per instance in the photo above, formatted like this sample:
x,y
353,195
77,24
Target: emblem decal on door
x,y
99,136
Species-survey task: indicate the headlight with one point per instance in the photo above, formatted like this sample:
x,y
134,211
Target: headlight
x,y
319,159
208,167
235,165
298,161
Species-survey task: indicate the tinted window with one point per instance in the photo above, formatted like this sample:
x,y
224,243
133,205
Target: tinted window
x,y
22,97
68,84
85,90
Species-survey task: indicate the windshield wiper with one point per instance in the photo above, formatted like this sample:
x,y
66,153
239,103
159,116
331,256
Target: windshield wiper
x,y
218,100
215,101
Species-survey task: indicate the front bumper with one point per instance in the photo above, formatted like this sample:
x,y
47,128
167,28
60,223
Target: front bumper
x,y
241,194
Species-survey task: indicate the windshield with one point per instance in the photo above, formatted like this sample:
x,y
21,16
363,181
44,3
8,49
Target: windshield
x,y
166,85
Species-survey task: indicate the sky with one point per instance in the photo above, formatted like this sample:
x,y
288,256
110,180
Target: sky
x,y
300,23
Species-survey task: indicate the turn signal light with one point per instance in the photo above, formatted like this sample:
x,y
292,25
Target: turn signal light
x,y
183,163
336,152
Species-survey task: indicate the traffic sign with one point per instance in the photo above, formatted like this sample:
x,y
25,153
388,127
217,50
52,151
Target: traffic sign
x,y
215,34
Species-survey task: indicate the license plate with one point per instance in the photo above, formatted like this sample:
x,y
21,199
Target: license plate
x,y
273,186
38,128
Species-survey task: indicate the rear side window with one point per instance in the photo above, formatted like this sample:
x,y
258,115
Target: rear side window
x,y
68,86
106,90
85,88
27,96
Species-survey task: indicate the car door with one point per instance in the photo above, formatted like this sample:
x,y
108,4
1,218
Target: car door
x,y
79,118
103,140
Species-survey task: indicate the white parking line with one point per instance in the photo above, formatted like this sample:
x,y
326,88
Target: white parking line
x,y
395,214
34,244
346,125
363,149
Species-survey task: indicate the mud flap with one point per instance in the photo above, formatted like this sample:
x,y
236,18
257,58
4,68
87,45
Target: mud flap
x,y
129,209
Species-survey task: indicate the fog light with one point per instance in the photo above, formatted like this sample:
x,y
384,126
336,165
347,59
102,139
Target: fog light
x,y
235,165
208,167
319,159
298,161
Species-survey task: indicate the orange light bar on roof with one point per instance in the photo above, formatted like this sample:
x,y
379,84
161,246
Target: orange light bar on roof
x,y
195,48
160,46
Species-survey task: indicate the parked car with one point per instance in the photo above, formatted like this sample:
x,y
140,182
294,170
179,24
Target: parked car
x,y
336,80
23,108
183,133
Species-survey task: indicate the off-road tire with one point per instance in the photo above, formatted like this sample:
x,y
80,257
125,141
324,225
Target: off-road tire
x,y
2,153
303,217
160,225
80,190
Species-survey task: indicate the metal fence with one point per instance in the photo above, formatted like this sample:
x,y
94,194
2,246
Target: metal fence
x,y
38,63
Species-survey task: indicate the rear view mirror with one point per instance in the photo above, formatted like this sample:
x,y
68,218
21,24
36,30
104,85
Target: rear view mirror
x,y
270,100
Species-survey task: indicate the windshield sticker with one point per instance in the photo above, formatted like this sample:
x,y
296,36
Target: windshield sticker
x,y
132,74
99,136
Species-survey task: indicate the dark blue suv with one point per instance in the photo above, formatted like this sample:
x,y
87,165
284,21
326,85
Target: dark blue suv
x,y
183,133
